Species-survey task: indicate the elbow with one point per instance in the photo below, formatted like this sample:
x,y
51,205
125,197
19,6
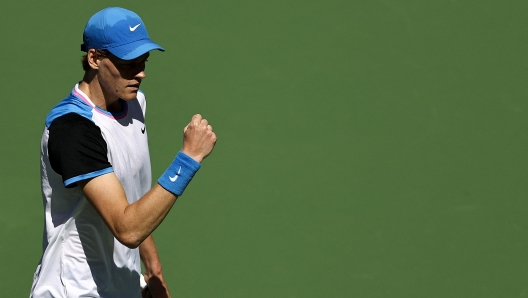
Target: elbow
x,y
130,239
130,244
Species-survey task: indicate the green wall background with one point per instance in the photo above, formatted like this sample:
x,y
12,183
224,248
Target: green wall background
x,y
366,148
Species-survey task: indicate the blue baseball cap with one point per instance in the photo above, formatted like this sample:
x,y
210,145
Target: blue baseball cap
x,y
120,31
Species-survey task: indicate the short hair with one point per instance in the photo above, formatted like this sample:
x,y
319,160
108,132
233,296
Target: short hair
x,y
100,53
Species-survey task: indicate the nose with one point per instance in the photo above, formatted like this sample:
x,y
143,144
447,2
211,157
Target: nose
x,y
141,74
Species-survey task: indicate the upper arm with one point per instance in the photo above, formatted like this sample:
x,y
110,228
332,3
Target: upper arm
x,y
108,197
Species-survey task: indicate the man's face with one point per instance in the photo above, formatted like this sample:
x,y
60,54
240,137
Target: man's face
x,y
122,78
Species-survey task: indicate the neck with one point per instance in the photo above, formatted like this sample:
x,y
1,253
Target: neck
x,y
91,86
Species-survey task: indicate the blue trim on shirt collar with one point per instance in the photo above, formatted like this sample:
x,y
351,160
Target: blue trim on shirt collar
x,y
116,115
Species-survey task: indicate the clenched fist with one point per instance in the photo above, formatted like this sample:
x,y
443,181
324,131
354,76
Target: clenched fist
x,y
198,138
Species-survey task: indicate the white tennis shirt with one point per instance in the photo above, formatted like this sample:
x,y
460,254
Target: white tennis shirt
x,y
81,257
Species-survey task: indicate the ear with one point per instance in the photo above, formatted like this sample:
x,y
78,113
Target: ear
x,y
93,59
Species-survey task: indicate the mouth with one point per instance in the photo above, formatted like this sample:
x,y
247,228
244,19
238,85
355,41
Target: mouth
x,y
133,87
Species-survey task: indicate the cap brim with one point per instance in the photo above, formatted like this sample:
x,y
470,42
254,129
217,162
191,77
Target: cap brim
x,y
135,49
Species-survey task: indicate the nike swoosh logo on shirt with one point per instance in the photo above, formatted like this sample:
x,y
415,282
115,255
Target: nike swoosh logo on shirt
x,y
173,179
134,28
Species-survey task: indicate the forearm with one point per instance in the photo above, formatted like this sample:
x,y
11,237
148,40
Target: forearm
x,y
155,205
130,223
149,256
153,273
141,218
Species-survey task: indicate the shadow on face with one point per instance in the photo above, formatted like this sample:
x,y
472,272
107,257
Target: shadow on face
x,y
129,69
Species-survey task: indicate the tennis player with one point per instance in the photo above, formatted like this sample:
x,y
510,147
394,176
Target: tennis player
x,y
100,209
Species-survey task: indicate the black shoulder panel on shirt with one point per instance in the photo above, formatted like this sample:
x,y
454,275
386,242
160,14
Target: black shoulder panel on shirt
x,y
76,147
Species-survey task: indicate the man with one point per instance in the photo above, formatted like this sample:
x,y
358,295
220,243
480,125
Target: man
x,y
100,209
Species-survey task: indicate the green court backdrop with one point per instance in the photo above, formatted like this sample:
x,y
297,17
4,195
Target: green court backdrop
x,y
368,148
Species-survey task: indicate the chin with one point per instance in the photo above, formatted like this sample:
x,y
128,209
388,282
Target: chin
x,y
129,96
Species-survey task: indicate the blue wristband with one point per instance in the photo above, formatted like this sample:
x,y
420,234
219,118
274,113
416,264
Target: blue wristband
x,y
179,174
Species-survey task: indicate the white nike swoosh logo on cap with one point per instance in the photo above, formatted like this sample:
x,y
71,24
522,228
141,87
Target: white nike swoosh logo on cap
x,y
134,28
173,179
